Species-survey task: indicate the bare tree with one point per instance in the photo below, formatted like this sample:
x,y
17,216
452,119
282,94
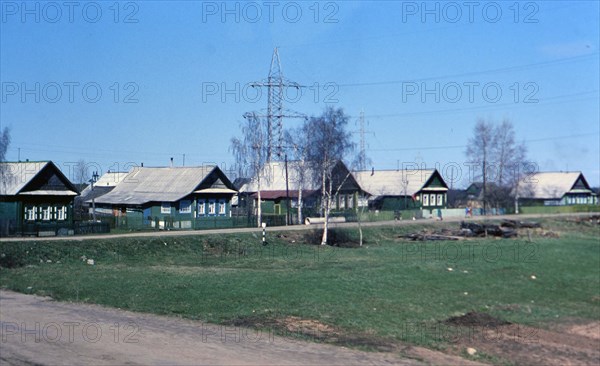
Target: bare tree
x,y
81,174
4,143
5,174
329,142
479,151
250,153
493,148
298,141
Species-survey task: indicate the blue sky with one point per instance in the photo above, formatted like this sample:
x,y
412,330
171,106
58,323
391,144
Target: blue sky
x,y
157,64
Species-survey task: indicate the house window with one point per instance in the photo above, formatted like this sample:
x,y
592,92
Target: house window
x,y
440,199
211,207
61,213
30,213
46,213
342,202
201,208
425,200
222,207
432,200
165,208
185,207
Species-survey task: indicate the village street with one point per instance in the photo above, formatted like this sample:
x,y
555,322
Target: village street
x,y
288,228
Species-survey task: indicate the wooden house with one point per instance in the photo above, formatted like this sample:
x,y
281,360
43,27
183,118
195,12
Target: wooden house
x,y
36,199
390,190
556,189
173,197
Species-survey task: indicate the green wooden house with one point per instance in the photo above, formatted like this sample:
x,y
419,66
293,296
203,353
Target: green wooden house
x,y
171,198
556,189
391,190
35,199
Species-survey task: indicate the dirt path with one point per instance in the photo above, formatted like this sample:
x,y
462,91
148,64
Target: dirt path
x,y
37,330
287,228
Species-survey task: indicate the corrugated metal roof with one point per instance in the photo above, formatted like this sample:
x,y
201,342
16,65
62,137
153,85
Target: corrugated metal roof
x,y
107,181
48,193
392,182
15,176
143,185
548,185
110,179
273,178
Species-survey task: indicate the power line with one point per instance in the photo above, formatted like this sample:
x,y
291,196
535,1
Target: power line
x,y
491,71
463,146
493,106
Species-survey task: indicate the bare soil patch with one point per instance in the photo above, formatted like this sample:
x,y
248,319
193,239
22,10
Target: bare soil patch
x,y
476,319
520,344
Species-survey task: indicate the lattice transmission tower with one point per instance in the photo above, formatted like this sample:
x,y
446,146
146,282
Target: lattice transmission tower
x,y
362,154
276,85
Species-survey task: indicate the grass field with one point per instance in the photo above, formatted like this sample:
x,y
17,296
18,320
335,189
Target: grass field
x,y
383,290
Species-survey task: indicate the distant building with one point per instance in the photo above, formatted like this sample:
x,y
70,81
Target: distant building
x,y
36,199
176,197
275,189
403,189
556,189
105,184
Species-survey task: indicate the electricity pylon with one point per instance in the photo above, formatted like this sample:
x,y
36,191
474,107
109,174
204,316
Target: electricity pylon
x,y
276,85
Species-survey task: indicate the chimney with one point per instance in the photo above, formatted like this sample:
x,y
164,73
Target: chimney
x,y
142,164
171,162
372,171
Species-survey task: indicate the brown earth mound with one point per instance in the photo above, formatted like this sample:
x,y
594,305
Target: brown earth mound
x,y
475,319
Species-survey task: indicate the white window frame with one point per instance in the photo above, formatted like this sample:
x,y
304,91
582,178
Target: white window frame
x,y
212,207
185,206
440,199
61,213
30,213
222,208
165,208
201,208
432,199
46,213
425,200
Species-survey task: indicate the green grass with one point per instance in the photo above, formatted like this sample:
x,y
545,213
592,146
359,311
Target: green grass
x,y
387,289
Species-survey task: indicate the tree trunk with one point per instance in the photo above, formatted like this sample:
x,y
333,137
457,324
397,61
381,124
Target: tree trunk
x,y
327,209
259,208
300,205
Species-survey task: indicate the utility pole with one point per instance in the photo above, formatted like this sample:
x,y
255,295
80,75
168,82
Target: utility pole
x,y
287,193
276,85
92,181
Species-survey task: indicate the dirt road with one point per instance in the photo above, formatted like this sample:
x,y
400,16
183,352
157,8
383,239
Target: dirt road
x,y
285,228
37,330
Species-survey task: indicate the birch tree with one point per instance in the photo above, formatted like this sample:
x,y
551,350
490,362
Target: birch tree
x,y
250,153
328,143
297,141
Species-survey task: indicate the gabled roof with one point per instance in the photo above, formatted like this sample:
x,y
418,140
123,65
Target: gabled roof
x,y
552,185
143,185
396,182
106,183
34,178
273,178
